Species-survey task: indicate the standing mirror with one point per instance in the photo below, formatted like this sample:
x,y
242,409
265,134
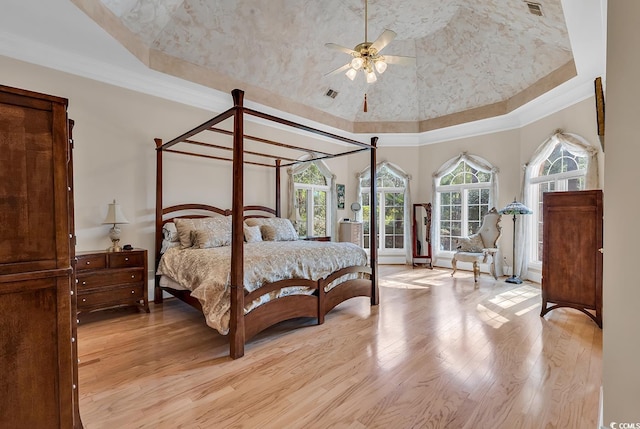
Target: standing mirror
x,y
422,234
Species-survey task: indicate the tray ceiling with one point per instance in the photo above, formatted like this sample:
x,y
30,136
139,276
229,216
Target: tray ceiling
x,y
474,59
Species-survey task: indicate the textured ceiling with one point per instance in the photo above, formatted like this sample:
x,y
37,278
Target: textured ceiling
x,y
474,59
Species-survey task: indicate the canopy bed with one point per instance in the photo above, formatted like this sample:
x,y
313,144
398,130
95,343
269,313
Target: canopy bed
x,y
241,286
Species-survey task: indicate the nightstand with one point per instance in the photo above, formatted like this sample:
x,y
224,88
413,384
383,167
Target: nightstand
x,y
112,279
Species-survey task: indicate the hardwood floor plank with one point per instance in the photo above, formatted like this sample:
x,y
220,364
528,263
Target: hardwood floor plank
x,y
439,352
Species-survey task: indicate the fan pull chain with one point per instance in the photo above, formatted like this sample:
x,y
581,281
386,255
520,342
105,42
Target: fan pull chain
x,y
365,103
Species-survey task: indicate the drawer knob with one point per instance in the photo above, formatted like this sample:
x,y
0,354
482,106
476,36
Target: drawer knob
x,y
84,283
133,291
84,299
71,292
76,281
133,276
88,262
126,259
73,340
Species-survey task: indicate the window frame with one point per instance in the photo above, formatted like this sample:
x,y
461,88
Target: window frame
x,y
310,201
381,192
463,189
560,181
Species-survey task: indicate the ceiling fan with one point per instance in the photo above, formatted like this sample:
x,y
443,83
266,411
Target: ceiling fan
x,y
366,55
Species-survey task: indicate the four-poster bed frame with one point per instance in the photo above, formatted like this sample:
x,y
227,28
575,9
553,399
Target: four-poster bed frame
x,y
244,326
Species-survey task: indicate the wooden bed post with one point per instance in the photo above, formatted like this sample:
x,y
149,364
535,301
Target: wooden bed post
x,y
157,292
373,226
236,328
278,197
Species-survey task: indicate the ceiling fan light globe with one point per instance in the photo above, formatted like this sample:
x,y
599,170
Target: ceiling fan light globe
x,y
371,77
356,63
381,66
351,73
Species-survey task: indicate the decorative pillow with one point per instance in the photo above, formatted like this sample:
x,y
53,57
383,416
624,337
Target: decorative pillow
x,y
268,232
169,232
283,229
252,234
219,227
472,244
207,238
166,245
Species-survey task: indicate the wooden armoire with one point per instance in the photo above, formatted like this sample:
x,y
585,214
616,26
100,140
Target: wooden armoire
x,y
38,352
572,252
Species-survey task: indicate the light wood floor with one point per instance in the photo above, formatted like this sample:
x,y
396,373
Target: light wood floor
x,y
436,353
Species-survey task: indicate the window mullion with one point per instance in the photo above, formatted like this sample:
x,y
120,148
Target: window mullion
x,y
381,234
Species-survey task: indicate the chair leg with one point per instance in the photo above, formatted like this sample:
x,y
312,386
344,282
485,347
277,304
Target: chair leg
x,y
476,271
454,266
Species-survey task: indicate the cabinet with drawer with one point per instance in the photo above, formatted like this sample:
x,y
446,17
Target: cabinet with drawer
x,y
351,232
107,279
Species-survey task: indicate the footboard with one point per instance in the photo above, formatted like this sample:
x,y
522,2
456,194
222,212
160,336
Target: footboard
x,y
279,309
351,288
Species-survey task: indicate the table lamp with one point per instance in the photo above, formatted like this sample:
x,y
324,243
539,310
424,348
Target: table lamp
x,y
115,217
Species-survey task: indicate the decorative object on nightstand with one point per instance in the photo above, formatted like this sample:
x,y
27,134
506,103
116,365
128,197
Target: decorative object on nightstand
x,y
355,208
115,217
515,208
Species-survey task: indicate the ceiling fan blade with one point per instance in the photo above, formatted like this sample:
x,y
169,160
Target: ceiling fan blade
x,y
397,59
340,48
383,40
338,70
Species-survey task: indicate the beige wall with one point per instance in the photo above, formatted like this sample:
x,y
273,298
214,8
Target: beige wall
x,y
509,151
621,370
115,158
115,155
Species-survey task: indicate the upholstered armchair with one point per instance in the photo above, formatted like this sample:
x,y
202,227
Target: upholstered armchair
x,y
481,246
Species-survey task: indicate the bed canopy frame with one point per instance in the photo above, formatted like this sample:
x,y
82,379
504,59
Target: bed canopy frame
x,y
238,112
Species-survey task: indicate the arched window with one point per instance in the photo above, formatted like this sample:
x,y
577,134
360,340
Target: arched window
x,y
311,199
559,166
563,162
465,190
392,185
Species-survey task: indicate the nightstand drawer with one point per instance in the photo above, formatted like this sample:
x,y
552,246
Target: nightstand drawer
x,y
97,279
112,297
91,262
126,259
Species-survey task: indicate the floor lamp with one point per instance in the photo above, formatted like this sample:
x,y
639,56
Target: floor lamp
x,y
515,208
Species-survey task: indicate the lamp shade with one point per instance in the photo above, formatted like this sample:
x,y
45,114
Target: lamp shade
x,y
114,214
515,208
381,66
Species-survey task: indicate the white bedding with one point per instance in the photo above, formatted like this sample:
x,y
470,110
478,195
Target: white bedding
x,y
206,272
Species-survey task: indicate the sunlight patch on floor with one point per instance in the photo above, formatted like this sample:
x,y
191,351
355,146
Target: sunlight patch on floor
x,y
490,317
508,299
515,296
416,279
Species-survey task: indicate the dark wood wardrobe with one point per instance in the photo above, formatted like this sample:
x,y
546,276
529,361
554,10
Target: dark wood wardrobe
x,y
572,252
38,353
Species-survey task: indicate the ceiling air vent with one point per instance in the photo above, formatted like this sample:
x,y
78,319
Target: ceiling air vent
x,y
534,8
331,93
